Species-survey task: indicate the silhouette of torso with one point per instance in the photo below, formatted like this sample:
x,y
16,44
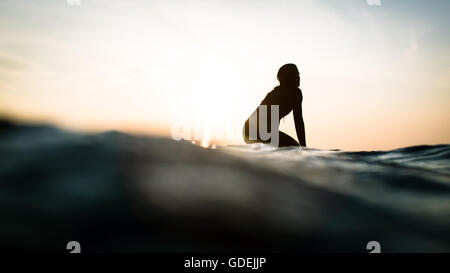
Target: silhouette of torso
x,y
286,98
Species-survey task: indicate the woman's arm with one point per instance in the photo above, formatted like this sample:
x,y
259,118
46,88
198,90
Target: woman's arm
x,y
299,124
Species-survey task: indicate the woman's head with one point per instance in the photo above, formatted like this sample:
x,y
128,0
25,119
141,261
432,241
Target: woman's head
x,y
288,75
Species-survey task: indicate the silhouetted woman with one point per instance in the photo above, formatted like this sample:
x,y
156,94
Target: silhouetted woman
x,y
289,98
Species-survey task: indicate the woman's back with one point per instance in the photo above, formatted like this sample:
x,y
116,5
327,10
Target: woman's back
x,y
286,99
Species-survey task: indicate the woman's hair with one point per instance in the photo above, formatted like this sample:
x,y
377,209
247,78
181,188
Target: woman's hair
x,y
287,73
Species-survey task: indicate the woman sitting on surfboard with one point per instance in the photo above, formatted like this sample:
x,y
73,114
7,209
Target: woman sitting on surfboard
x,y
283,99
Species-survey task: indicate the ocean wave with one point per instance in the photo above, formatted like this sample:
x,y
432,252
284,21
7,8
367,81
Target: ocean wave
x,y
115,192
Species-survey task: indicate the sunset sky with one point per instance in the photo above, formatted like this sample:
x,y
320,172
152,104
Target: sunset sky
x,y
373,77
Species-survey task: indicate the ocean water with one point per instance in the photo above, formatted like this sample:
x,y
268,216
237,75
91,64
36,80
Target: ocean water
x,y
115,192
